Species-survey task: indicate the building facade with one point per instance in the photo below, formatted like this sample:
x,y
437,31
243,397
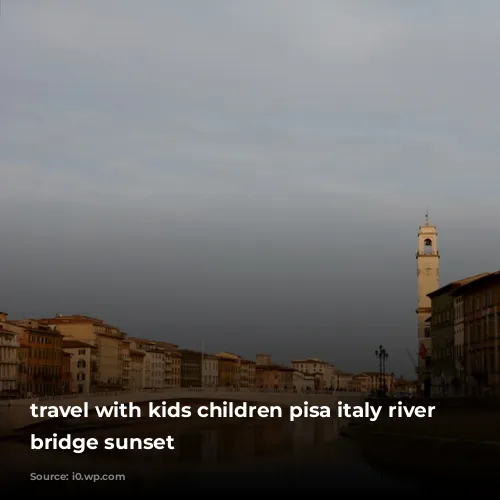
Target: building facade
x,y
229,369
191,368
133,367
67,382
82,364
442,324
442,339
174,367
161,364
459,342
481,303
154,368
427,281
9,357
210,370
107,339
323,371
371,382
302,382
274,377
247,375
22,383
137,367
44,360
341,380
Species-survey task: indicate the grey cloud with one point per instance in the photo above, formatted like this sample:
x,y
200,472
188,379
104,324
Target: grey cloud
x,y
246,173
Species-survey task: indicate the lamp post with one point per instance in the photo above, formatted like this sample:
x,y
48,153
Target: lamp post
x,y
382,356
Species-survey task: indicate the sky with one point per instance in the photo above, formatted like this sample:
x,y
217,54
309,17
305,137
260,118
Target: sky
x,y
246,176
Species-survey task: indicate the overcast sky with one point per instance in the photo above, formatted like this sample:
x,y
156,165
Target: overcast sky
x,y
246,174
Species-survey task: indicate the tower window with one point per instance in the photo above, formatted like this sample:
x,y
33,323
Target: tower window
x,y
427,247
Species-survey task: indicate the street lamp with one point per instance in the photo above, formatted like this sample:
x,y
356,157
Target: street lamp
x,y
382,356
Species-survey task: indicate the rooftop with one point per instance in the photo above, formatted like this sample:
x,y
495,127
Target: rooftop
x,y
281,368
158,343
135,352
481,281
76,318
454,285
310,360
75,344
228,355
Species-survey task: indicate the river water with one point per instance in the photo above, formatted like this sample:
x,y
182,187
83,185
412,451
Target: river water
x,y
254,454
251,454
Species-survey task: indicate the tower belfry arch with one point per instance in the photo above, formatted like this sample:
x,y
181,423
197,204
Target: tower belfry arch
x,y
428,257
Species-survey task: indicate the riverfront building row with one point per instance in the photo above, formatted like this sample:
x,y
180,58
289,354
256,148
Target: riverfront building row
x,y
80,354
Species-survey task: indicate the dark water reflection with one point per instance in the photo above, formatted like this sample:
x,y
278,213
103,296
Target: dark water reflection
x,y
291,454
253,455
248,454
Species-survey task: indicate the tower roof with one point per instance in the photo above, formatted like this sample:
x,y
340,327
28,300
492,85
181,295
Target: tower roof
x,y
427,227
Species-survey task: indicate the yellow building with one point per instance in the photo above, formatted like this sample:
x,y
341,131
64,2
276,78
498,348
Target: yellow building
x,y
210,371
358,383
44,360
274,377
247,373
107,339
137,369
174,360
229,369
132,366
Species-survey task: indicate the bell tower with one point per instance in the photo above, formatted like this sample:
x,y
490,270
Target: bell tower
x,y
427,281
